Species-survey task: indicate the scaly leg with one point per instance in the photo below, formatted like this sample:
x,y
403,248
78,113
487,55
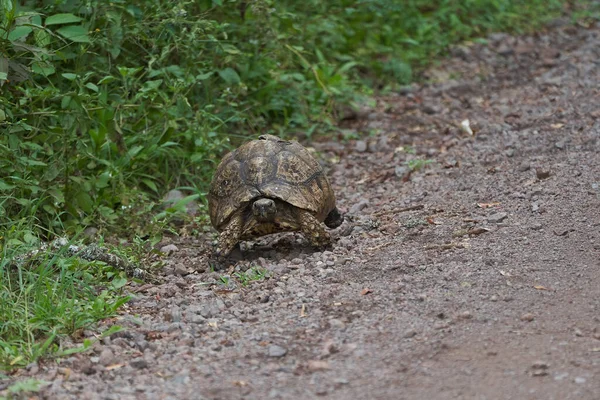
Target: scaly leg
x,y
312,229
228,238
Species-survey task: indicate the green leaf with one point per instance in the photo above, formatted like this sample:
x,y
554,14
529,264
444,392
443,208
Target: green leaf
x,y
19,32
64,103
69,76
106,79
42,38
85,202
43,68
75,33
231,49
2,116
5,186
230,76
205,76
3,68
92,87
150,184
118,283
58,19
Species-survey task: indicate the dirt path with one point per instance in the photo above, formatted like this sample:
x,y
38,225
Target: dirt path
x,y
488,288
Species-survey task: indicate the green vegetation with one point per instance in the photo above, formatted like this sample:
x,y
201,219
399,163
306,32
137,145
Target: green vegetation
x,y
48,295
104,106
251,275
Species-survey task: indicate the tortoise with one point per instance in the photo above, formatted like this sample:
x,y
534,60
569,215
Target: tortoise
x,y
267,186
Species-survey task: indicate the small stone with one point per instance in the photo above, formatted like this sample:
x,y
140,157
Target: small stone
x,y
580,380
539,368
527,317
401,170
429,109
361,146
561,376
497,217
317,365
356,208
180,270
560,144
169,249
578,332
276,351
107,357
139,363
410,333
142,345
494,298
542,174
524,167
536,226
336,323
174,315
466,315
510,152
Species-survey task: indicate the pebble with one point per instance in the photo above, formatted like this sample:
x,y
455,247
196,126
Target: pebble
x,y
497,217
139,363
539,368
527,317
410,333
276,351
336,323
536,226
317,365
361,146
107,357
542,174
466,315
524,167
580,380
180,270
169,249
357,207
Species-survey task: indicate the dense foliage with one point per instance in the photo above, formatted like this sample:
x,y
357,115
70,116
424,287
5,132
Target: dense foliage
x,y
106,105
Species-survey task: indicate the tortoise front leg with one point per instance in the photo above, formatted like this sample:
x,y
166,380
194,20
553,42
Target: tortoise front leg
x,y
313,229
228,238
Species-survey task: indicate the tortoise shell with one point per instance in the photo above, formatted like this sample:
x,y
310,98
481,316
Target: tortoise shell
x,y
269,168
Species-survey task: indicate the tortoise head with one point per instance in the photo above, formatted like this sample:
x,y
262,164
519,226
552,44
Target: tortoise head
x,y
264,210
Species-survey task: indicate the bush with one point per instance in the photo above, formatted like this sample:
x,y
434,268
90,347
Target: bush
x,y
107,105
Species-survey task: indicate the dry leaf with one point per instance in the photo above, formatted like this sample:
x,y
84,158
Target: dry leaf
x,y
213,324
596,349
539,287
487,205
337,304
477,231
557,126
114,366
303,311
365,291
240,383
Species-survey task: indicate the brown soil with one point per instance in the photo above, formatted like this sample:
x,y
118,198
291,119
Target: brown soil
x,y
476,276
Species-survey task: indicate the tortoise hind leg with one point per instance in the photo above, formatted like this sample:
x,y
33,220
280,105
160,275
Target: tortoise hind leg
x,y
312,229
228,238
